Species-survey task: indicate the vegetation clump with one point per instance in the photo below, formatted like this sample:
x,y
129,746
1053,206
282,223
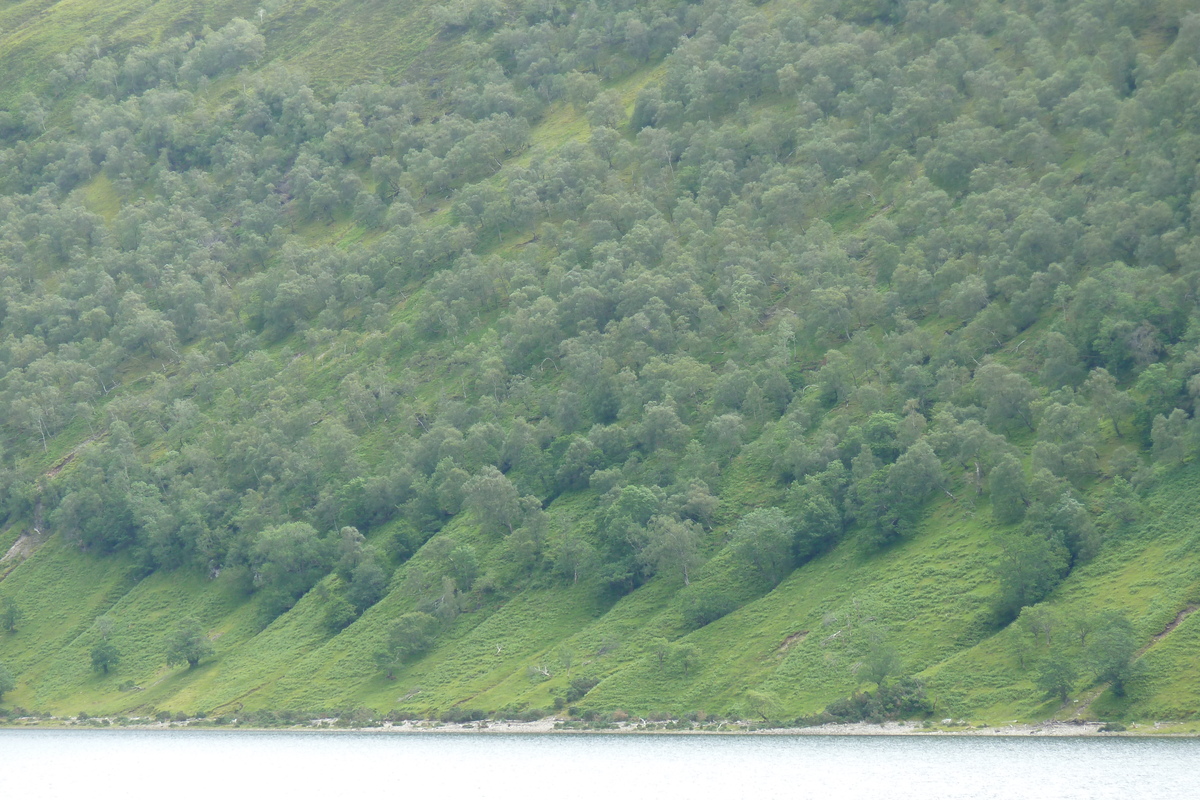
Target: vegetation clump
x,y
903,699
686,326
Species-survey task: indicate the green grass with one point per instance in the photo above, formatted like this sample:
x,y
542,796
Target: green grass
x,y
335,44
928,595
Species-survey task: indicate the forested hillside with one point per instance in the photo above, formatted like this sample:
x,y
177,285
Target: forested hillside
x,y
621,357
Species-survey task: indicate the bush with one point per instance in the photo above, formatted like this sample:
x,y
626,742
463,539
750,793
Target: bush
x,y
579,687
262,719
458,714
704,607
397,715
903,699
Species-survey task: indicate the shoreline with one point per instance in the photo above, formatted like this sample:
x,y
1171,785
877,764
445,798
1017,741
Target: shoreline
x,y
552,725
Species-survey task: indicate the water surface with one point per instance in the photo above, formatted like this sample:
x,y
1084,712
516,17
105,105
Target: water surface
x,y
207,764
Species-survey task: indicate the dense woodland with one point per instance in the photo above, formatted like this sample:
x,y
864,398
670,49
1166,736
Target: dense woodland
x,y
887,254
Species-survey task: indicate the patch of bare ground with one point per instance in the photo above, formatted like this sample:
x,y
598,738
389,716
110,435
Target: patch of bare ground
x,y
795,638
26,544
1183,614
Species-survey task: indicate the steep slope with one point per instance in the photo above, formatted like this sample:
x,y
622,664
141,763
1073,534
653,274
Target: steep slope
x,y
652,357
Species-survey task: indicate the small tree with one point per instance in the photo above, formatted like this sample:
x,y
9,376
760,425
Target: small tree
x,y
105,656
673,545
566,659
763,541
1039,622
685,655
188,644
1056,676
7,681
574,557
339,612
494,498
288,560
10,615
1101,388
660,648
880,662
765,705
1032,562
412,635
1010,490
706,606
1113,651
462,564
368,584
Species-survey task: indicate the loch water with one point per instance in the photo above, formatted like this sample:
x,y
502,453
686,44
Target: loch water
x,y
211,764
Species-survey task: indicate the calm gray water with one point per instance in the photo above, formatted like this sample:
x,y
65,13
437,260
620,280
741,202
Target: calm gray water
x,y
35,764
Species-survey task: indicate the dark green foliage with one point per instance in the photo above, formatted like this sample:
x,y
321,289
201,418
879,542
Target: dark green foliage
x,y
671,547
904,699
889,498
850,259
818,506
368,584
764,540
460,714
10,615
684,656
188,644
819,525
1009,491
1112,652
705,606
411,636
7,681
579,687
574,558
1032,562
1056,676
105,656
339,612
288,560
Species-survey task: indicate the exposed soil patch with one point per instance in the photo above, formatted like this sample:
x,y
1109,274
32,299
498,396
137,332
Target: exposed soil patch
x,y
1173,624
22,548
798,636
69,457
25,544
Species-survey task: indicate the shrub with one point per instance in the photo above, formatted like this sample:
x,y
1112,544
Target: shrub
x,y
704,607
579,687
458,714
903,699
